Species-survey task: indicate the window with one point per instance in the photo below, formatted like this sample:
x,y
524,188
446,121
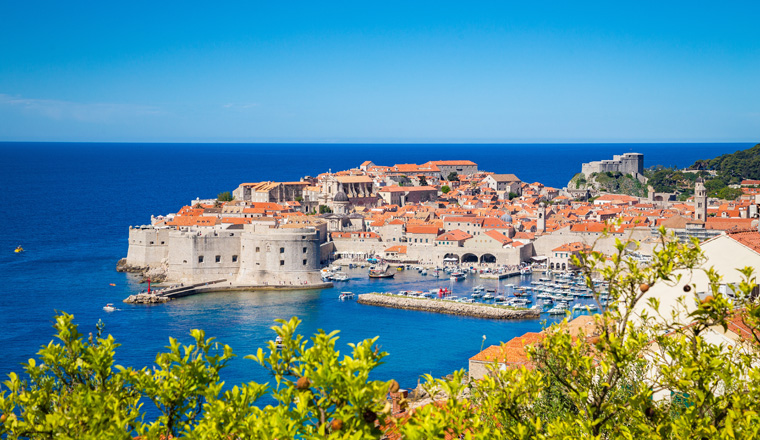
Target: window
x,y
151,242
304,262
282,262
234,258
162,242
258,249
304,250
282,250
218,258
200,258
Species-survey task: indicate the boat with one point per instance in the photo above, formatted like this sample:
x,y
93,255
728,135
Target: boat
x,y
400,268
526,270
423,272
557,310
476,295
487,296
380,272
500,298
19,249
278,342
340,277
109,307
457,276
345,296
478,288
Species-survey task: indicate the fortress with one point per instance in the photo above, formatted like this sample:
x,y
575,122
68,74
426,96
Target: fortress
x,y
628,163
259,253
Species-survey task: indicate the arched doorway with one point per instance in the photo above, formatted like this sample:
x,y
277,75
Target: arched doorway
x,y
469,258
488,258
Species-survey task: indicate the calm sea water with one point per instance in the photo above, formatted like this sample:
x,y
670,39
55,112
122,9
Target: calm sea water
x,y
70,205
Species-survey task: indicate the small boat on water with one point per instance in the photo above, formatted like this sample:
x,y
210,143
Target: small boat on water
x,y
341,276
557,310
278,342
109,308
457,275
380,272
19,249
345,296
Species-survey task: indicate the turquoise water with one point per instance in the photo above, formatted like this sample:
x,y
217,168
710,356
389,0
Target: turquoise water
x,y
70,206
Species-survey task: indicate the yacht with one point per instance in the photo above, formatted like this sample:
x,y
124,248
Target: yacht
x,y
345,296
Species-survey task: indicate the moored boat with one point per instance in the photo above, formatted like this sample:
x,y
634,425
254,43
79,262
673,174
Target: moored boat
x,y
345,296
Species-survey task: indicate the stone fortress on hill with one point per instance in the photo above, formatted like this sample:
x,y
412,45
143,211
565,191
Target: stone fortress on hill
x,y
436,213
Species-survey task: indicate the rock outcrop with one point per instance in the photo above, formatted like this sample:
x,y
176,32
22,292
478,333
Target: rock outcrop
x,y
453,308
145,298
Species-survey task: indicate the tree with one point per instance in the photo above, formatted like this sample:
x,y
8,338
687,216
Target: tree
x,y
224,196
453,177
599,383
445,189
512,195
423,181
729,193
324,209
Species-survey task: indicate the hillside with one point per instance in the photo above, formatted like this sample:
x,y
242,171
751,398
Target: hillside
x,y
735,167
611,182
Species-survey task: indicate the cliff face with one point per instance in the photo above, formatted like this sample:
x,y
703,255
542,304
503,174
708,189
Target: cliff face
x,y
156,274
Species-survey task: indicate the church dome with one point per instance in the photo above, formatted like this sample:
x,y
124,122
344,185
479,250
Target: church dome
x,y
506,218
340,197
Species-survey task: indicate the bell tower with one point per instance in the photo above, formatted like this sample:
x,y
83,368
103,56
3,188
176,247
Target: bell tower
x,y
700,200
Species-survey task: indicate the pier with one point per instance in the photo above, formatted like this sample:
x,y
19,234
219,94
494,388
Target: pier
x,y
487,311
168,294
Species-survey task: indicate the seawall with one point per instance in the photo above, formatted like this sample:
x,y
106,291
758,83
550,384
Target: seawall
x,y
450,307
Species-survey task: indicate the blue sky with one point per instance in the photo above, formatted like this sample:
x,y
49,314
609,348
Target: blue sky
x,y
388,71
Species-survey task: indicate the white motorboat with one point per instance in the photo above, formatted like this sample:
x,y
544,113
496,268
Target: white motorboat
x,y
109,308
340,276
557,310
345,296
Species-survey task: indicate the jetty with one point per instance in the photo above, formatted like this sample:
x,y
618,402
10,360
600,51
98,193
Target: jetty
x,y
167,294
487,311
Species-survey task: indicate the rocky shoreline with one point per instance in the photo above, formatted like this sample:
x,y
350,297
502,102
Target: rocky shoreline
x,y
450,307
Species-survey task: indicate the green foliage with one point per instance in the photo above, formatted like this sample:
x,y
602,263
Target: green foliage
x,y
453,177
616,183
512,195
423,181
445,189
605,383
735,167
71,391
729,193
324,209
299,199
225,196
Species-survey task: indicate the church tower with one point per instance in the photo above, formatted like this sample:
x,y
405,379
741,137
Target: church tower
x,y
700,200
541,220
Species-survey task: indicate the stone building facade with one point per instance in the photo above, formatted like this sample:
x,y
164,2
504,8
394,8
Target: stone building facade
x,y
632,163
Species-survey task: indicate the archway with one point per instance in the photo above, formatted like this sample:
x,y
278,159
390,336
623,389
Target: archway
x,y
469,258
487,258
451,259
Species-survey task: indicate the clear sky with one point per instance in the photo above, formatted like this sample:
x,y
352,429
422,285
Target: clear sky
x,y
359,71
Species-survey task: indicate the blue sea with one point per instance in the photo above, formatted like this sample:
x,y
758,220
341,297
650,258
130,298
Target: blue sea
x,y
70,205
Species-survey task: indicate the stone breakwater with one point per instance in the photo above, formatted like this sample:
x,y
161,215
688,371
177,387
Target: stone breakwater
x,y
145,298
453,308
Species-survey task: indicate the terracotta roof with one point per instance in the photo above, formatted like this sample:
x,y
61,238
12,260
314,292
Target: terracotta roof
x,y
747,237
421,229
397,249
572,247
727,223
455,235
